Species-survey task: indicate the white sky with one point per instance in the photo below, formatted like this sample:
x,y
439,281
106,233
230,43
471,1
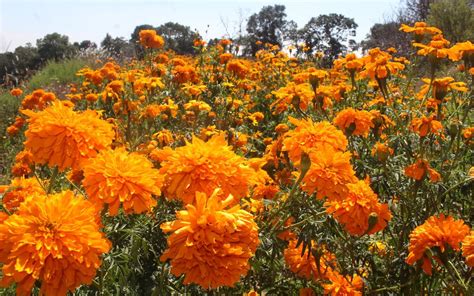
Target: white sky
x,y
23,21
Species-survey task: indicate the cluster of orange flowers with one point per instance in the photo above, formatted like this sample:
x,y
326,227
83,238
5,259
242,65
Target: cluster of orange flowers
x,y
233,141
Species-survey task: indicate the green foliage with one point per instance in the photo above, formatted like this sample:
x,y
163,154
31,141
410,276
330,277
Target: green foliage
x,y
116,47
178,37
58,73
387,35
54,47
329,34
454,17
267,26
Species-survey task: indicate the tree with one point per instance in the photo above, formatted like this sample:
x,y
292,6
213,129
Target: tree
x,y
388,35
329,34
178,37
54,47
26,58
415,10
116,47
455,18
85,45
267,26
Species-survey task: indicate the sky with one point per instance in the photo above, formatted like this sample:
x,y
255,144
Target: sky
x,y
23,21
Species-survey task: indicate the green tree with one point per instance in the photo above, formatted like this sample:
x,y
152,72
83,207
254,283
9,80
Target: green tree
x,y
388,35
116,47
54,47
178,37
26,59
267,26
454,17
329,34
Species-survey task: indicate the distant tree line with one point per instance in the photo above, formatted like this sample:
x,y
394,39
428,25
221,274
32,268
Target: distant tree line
x,y
331,34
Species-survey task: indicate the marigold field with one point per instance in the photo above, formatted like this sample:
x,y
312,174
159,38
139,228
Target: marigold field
x,y
271,175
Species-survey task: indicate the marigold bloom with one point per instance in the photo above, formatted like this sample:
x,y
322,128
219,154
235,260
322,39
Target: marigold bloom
x,y
342,285
52,239
359,211
18,190
305,264
329,174
117,177
435,48
150,39
426,125
420,169
379,64
354,122
58,136
185,73
382,151
308,135
420,29
211,243
440,87
468,249
238,68
297,95
16,92
435,232
203,166
225,57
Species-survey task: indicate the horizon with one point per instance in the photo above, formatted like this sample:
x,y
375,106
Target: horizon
x,y
211,18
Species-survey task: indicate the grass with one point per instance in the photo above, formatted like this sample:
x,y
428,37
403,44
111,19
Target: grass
x,y
57,73
8,110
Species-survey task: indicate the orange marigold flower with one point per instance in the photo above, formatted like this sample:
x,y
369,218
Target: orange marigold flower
x,y
354,122
420,29
117,177
225,57
321,136
58,136
468,249
18,191
420,169
185,73
436,48
238,68
329,174
440,87
211,243
342,285
150,39
16,92
203,166
426,125
306,292
52,239
297,95
435,232
382,151
307,265
360,211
